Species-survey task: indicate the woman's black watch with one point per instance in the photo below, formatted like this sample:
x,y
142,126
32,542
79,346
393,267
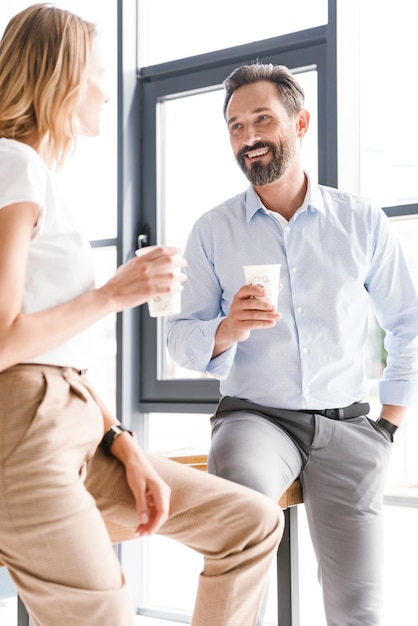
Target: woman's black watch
x,y
114,431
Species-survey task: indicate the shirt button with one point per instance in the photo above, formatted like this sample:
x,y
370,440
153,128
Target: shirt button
x,y
299,309
287,229
307,391
304,350
294,269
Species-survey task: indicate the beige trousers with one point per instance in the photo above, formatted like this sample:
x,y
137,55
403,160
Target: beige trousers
x,y
56,489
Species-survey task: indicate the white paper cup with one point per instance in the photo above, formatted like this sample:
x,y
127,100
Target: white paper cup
x,y
164,304
267,276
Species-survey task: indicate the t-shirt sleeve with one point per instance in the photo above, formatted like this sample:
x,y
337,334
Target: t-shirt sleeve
x,y
23,178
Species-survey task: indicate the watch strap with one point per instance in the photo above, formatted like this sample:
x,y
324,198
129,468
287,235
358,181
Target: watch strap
x,y
109,437
388,426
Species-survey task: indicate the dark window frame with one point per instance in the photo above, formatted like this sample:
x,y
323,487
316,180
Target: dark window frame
x,y
401,210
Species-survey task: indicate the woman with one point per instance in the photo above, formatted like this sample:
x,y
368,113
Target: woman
x,y
65,465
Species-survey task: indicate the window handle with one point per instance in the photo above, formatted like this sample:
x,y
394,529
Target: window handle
x,y
143,238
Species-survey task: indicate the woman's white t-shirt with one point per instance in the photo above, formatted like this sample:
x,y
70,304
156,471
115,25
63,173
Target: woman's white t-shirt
x,y
60,260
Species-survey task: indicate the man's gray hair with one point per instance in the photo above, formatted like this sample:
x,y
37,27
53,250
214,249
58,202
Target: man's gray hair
x,y
290,92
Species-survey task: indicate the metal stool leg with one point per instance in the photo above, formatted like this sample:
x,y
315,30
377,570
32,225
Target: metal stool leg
x,y
22,614
288,572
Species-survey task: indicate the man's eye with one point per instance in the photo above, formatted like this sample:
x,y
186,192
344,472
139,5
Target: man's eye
x,y
234,128
263,118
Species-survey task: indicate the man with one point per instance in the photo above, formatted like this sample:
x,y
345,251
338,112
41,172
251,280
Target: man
x,y
293,382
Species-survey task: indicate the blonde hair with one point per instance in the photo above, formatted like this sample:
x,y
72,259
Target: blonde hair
x,y
44,54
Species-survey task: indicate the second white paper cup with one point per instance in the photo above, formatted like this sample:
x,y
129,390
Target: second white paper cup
x,y
164,304
267,276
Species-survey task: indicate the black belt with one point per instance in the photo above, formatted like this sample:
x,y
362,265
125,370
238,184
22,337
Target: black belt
x,y
354,410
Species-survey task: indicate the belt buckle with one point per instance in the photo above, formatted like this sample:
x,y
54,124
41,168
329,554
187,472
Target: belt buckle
x,y
334,414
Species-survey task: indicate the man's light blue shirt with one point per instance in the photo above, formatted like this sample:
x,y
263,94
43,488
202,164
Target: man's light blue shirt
x,y
337,254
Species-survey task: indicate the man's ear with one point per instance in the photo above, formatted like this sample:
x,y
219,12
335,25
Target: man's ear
x,y
302,121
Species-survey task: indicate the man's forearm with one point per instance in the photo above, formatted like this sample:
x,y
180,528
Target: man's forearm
x,y
222,341
393,413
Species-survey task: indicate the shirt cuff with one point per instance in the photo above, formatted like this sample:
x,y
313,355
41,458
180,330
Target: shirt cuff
x,y
220,366
398,393
200,348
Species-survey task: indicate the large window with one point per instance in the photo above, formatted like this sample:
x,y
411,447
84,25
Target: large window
x,y
387,91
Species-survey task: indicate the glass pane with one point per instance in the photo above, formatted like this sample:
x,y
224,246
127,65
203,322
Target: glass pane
x,y
94,163
102,371
403,471
201,27
8,600
89,181
388,155
178,211
166,433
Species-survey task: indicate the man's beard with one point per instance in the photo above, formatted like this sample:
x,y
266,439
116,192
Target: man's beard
x,y
259,174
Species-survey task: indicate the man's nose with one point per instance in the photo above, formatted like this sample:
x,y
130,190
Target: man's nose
x,y
251,135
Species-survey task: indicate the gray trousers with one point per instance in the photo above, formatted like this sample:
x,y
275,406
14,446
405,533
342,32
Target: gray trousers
x,y
342,466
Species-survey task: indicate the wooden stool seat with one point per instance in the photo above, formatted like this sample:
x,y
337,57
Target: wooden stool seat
x,y
291,497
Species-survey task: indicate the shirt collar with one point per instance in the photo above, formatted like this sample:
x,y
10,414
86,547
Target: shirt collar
x,y
313,194
315,198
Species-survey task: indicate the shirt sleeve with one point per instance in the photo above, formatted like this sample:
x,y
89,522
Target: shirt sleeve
x,y
191,333
395,301
23,179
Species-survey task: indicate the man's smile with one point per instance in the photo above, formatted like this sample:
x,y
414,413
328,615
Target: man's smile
x,y
252,154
